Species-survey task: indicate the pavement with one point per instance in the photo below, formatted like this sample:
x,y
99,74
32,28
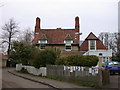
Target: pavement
x,y
45,81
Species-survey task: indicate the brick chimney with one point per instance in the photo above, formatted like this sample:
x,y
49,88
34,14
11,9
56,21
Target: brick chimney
x,y
37,26
77,33
77,24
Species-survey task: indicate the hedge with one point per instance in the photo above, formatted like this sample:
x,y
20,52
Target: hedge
x,y
78,60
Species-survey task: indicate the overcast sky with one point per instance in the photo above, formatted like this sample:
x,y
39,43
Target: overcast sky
x,y
95,15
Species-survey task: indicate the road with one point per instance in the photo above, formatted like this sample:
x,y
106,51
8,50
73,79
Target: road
x,y
11,81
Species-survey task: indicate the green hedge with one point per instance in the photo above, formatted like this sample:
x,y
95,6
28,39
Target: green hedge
x,y
78,60
41,58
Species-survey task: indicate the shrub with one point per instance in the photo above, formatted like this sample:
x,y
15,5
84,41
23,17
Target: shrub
x,y
78,60
44,57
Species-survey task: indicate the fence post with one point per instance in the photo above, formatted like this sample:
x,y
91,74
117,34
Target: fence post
x,y
106,77
100,77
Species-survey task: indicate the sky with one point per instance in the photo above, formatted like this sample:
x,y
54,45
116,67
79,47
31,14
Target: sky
x,y
95,15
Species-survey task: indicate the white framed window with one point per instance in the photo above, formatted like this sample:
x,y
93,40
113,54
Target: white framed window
x,y
42,41
103,59
68,41
42,46
92,44
68,47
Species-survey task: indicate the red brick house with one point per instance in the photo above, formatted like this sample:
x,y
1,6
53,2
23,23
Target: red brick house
x,y
92,43
65,39
93,46
68,41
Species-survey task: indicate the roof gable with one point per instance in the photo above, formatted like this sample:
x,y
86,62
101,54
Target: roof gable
x,y
91,36
68,37
99,45
43,37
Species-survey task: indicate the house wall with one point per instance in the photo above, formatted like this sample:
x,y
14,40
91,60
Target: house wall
x,y
62,47
84,46
106,54
0,63
3,63
99,46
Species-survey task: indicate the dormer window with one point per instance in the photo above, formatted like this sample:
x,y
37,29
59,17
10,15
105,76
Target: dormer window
x,y
92,44
68,41
42,43
68,46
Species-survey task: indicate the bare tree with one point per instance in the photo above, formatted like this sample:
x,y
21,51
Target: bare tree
x,y
9,30
101,36
109,40
28,35
118,43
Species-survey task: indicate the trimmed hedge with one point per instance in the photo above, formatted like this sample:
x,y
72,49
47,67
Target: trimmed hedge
x,y
78,60
43,57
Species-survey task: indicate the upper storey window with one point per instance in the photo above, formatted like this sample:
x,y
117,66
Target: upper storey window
x,y
42,41
68,41
92,44
68,46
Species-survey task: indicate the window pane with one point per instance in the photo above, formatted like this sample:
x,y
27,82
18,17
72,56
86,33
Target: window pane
x,y
42,46
68,47
92,45
68,41
42,41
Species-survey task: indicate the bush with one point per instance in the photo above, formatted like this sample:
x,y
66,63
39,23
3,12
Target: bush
x,y
78,60
44,57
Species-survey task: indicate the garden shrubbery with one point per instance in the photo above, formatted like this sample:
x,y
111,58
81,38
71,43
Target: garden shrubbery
x,y
29,55
78,60
43,57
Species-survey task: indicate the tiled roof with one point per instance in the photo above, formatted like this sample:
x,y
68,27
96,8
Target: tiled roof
x,y
91,36
56,36
3,57
43,37
68,37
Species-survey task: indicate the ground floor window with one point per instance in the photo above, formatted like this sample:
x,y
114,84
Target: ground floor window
x,y
42,46
68,47
105,59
